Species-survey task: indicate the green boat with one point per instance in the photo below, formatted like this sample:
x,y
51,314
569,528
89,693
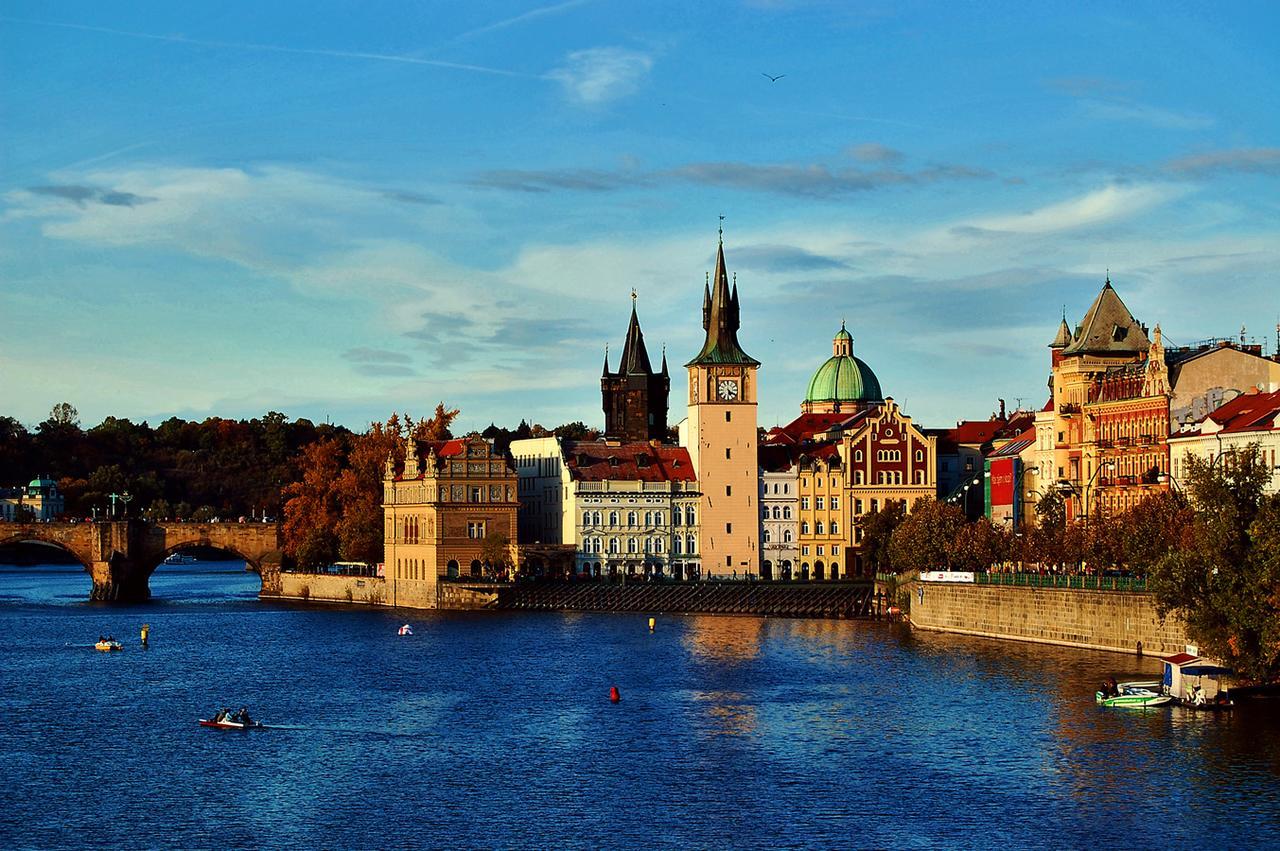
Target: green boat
x,y
1134,699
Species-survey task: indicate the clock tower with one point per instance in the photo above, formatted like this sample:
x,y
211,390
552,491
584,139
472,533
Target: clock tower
x,y
722,435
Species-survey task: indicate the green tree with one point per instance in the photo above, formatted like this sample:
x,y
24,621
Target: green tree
x,y
925,538
1224,578
877,531
980,545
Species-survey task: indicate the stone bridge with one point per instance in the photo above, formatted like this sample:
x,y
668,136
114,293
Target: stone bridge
x,y
121,555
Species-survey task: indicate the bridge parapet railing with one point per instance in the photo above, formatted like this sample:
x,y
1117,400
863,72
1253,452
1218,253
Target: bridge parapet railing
x,y
1081,582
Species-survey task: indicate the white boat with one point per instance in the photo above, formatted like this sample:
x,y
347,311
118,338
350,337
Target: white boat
x,y
179,558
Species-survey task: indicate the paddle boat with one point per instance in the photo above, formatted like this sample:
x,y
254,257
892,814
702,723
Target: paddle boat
x,y
231,725
405,630
106,645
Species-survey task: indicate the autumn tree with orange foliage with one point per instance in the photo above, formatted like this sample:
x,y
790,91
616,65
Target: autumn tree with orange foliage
x,y
335,510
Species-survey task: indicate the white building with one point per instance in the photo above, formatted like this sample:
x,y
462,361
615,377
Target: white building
x,y
626,507
39,501
1251,418
779,512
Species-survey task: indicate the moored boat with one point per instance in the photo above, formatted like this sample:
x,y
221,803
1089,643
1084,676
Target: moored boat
x,y
179,558
1133,699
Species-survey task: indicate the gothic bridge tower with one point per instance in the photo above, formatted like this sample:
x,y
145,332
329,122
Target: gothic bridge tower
x,y
635,397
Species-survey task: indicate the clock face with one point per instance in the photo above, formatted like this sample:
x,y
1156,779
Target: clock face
x,y
728,389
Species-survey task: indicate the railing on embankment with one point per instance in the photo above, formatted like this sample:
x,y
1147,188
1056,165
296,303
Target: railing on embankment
x,y
1063,580
792,600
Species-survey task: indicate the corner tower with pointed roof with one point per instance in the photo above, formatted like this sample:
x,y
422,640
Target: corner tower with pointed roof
x,y
721,434
635,397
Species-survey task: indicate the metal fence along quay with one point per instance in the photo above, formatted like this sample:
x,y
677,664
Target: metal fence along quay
x,y
1063,580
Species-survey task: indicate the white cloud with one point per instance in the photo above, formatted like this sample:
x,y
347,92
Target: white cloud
x,y
602,74
1107,204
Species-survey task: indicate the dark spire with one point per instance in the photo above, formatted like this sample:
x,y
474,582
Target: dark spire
x,y
635,358
721,319
706,304
664,358
606,360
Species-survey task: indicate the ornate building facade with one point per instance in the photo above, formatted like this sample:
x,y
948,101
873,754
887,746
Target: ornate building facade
x,y
635,397
625,508
445,511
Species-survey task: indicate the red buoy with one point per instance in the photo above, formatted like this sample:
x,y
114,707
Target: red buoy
x,y
614,695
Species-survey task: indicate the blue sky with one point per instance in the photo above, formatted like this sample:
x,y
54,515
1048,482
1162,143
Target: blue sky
x,y
342,209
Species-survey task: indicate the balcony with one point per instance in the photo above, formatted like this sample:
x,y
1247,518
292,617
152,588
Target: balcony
x,y
1068,409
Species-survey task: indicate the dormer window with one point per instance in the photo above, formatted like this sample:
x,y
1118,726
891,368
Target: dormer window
x,y
613,460
642,460
1118,333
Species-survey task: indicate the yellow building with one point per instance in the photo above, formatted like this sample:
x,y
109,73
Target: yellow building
x,y
438,511
721,435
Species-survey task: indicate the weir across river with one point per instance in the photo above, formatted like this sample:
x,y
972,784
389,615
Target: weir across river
x,y
776,599
121,555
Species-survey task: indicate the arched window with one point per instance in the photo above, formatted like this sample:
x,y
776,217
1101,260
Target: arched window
x,y
597,518
857,478
690,545
586,518
631,518
835,528
765,537
817,528
614,547
804,527
786,536
857,455
786,512
657,546
657,518
690,518
633,546
675,517
613,518
777,512
919,454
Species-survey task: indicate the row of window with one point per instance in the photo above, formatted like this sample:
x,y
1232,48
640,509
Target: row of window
x,y
835,550
766,535
777,512
786,487
652,546
819,503
833,529
651,518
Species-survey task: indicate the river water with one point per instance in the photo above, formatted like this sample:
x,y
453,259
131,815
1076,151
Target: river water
x,y
495,730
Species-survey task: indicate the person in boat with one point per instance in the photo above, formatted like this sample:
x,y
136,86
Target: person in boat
x,y
243,717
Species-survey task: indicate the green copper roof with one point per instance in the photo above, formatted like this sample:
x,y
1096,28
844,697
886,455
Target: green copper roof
x,y
844,378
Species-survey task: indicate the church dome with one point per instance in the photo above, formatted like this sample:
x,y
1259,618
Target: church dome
x,y
843,378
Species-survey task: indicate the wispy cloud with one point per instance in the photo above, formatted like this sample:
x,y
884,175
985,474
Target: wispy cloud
x,y
81,195
1107,204
368,355
1243,160
872,152
783,258
601,74
276,48
1107,99
810,180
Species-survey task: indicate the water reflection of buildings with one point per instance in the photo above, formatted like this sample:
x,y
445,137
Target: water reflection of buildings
x,y
725,639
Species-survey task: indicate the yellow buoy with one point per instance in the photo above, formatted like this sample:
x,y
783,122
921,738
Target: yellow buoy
x,y
652,621
146,631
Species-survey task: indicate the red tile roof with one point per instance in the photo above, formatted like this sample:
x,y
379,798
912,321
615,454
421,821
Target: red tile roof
x,y
975,431
1015,446
805,426
1252,411
598,461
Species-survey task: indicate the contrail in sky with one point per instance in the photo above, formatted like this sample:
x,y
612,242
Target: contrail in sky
x,y
553,9
274,48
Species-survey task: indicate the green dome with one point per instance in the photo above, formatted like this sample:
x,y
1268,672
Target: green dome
x,y
844,378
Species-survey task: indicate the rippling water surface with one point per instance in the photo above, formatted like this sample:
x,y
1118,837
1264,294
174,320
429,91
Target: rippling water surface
x,y
487,730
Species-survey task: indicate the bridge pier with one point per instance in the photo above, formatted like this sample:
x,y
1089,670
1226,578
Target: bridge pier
x,y
118,580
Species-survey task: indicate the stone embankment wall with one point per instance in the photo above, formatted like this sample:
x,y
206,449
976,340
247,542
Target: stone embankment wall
x,y
361,590
1098,620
